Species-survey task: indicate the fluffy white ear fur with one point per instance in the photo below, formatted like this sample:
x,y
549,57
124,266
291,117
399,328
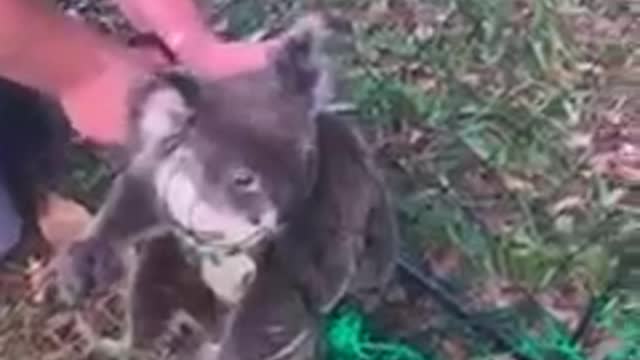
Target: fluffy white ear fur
x,y
163,113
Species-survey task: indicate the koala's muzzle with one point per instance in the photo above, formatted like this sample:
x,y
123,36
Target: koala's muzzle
x,y
207,212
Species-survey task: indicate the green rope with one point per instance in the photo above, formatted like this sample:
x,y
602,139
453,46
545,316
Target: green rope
x,y
349,338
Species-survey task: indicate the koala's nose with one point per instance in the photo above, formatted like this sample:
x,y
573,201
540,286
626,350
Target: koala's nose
x,y
255,220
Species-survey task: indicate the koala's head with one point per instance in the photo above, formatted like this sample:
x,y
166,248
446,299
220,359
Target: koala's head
x,y
230,159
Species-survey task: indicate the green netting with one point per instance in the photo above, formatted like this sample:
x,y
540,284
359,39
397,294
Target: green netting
x,y
555,342
349,336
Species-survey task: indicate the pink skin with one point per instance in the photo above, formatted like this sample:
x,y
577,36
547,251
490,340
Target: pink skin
x,y
58,55
179,25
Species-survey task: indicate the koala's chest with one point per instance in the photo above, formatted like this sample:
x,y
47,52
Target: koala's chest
x,y
229,277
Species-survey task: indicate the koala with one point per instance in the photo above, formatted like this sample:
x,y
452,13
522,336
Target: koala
x,y
219,164
255,211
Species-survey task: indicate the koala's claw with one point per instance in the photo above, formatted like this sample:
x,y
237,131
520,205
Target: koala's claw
x,y
86,268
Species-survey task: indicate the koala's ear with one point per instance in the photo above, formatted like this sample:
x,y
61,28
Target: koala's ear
x,y
162,106
302,64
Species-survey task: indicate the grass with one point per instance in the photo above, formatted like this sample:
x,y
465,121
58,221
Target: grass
x,y
487,115
507,85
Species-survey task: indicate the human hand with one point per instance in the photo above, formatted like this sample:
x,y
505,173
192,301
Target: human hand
x,y
206,54
98,105
180,25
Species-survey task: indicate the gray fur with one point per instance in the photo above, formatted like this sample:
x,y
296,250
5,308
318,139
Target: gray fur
x,y
346,241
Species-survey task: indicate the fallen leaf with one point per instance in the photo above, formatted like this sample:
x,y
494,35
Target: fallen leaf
x,y
444,260
568,203
455,349
515,183
566,303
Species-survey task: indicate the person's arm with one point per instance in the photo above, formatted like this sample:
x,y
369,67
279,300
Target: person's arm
x,y
55,54
179,25
91,74
46,50
174,21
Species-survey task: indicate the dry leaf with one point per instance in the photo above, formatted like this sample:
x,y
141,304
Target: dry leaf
x,y
444,260
455,349
568,203
514,183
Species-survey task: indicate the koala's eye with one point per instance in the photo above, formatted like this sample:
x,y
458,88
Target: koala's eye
x,y
244,179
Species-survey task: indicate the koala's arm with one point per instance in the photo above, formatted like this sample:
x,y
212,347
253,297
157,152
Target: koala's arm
x,y
380,249
97,259
345,242
129,209
359,264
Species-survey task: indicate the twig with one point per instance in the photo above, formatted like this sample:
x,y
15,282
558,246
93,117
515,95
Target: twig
x,y
446,300
590,312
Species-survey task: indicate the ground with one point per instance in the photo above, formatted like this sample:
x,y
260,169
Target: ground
x,y
509,132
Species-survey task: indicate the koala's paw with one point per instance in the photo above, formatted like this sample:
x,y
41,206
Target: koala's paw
x,y
86,268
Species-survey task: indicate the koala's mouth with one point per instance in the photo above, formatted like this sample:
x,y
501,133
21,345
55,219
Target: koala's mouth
x,y
215,244
225,229
217,240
